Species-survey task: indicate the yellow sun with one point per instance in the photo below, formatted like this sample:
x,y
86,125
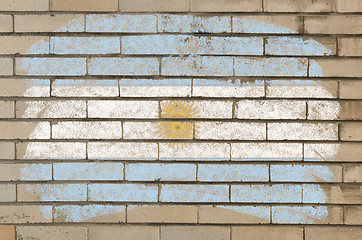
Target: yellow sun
x,y
177,129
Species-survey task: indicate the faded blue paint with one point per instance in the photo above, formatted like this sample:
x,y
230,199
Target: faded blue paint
x,y
85,213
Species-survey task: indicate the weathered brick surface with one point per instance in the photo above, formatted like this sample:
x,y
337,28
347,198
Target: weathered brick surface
x,y
84,5
351,132
333,233
227,6
349,6
350,89
350,47
299,6
18,5
52,233
267,233
127,232
336,24
6,23
154,6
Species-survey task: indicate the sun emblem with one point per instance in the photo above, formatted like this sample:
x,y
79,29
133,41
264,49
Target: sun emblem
x,y
177,129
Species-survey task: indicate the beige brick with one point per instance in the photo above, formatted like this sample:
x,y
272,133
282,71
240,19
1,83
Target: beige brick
x,y
344,152
154,6
353,215
127,232
271,109
349,6
84,5
350,46
12,87
226,6
7,193
333,233
52,232
19,5
230,131
234,214
24,130
161,214
51,150
7,109
267,233
6,23
24,45
352,173
350,89
299,6
351,132
6,66
334,24
26,172
7,150
346,110
195,232
84,88
335,67
49,23
7,232
87,130
302,131
350,110
25,214
343,194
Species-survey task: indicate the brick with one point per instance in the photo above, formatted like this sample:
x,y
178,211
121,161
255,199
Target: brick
x,y
7,232
6,66
197,66
51,109
84,88
302,131
122,192
88,171
351,132
226,6
343,194
230,131
266,151
52,232
299,6
51,150
194,24
49,23
89,213
350,46
348,6
84,5
335,68
24,45
276,193
237,88
155,87
323,110
300,46
127,232
307,215
333,233
267,233
352,173
195,152
25,214
271,109
85,45
336,24
251,66
195,232
306,173
7,109
160,172
301,89
353,215
18,5
6,23
154,6
161,214
13,87
350,89
344,152
123,66
87,130
194,193
8,193
234,214
7,150
123,151
25,172
232,173
24,130
277,24
121,23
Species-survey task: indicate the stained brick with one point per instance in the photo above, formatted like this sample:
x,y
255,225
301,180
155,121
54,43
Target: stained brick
x,y
350,46
353,215
299,6
343,194
52,232
351,131
352,173
25,172
84,5
24,130
334,24
13,87
344,152
24,45
25,214
349,6
335,68
226,6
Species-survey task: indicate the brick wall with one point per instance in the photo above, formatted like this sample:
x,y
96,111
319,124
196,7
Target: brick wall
x,y
269,144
